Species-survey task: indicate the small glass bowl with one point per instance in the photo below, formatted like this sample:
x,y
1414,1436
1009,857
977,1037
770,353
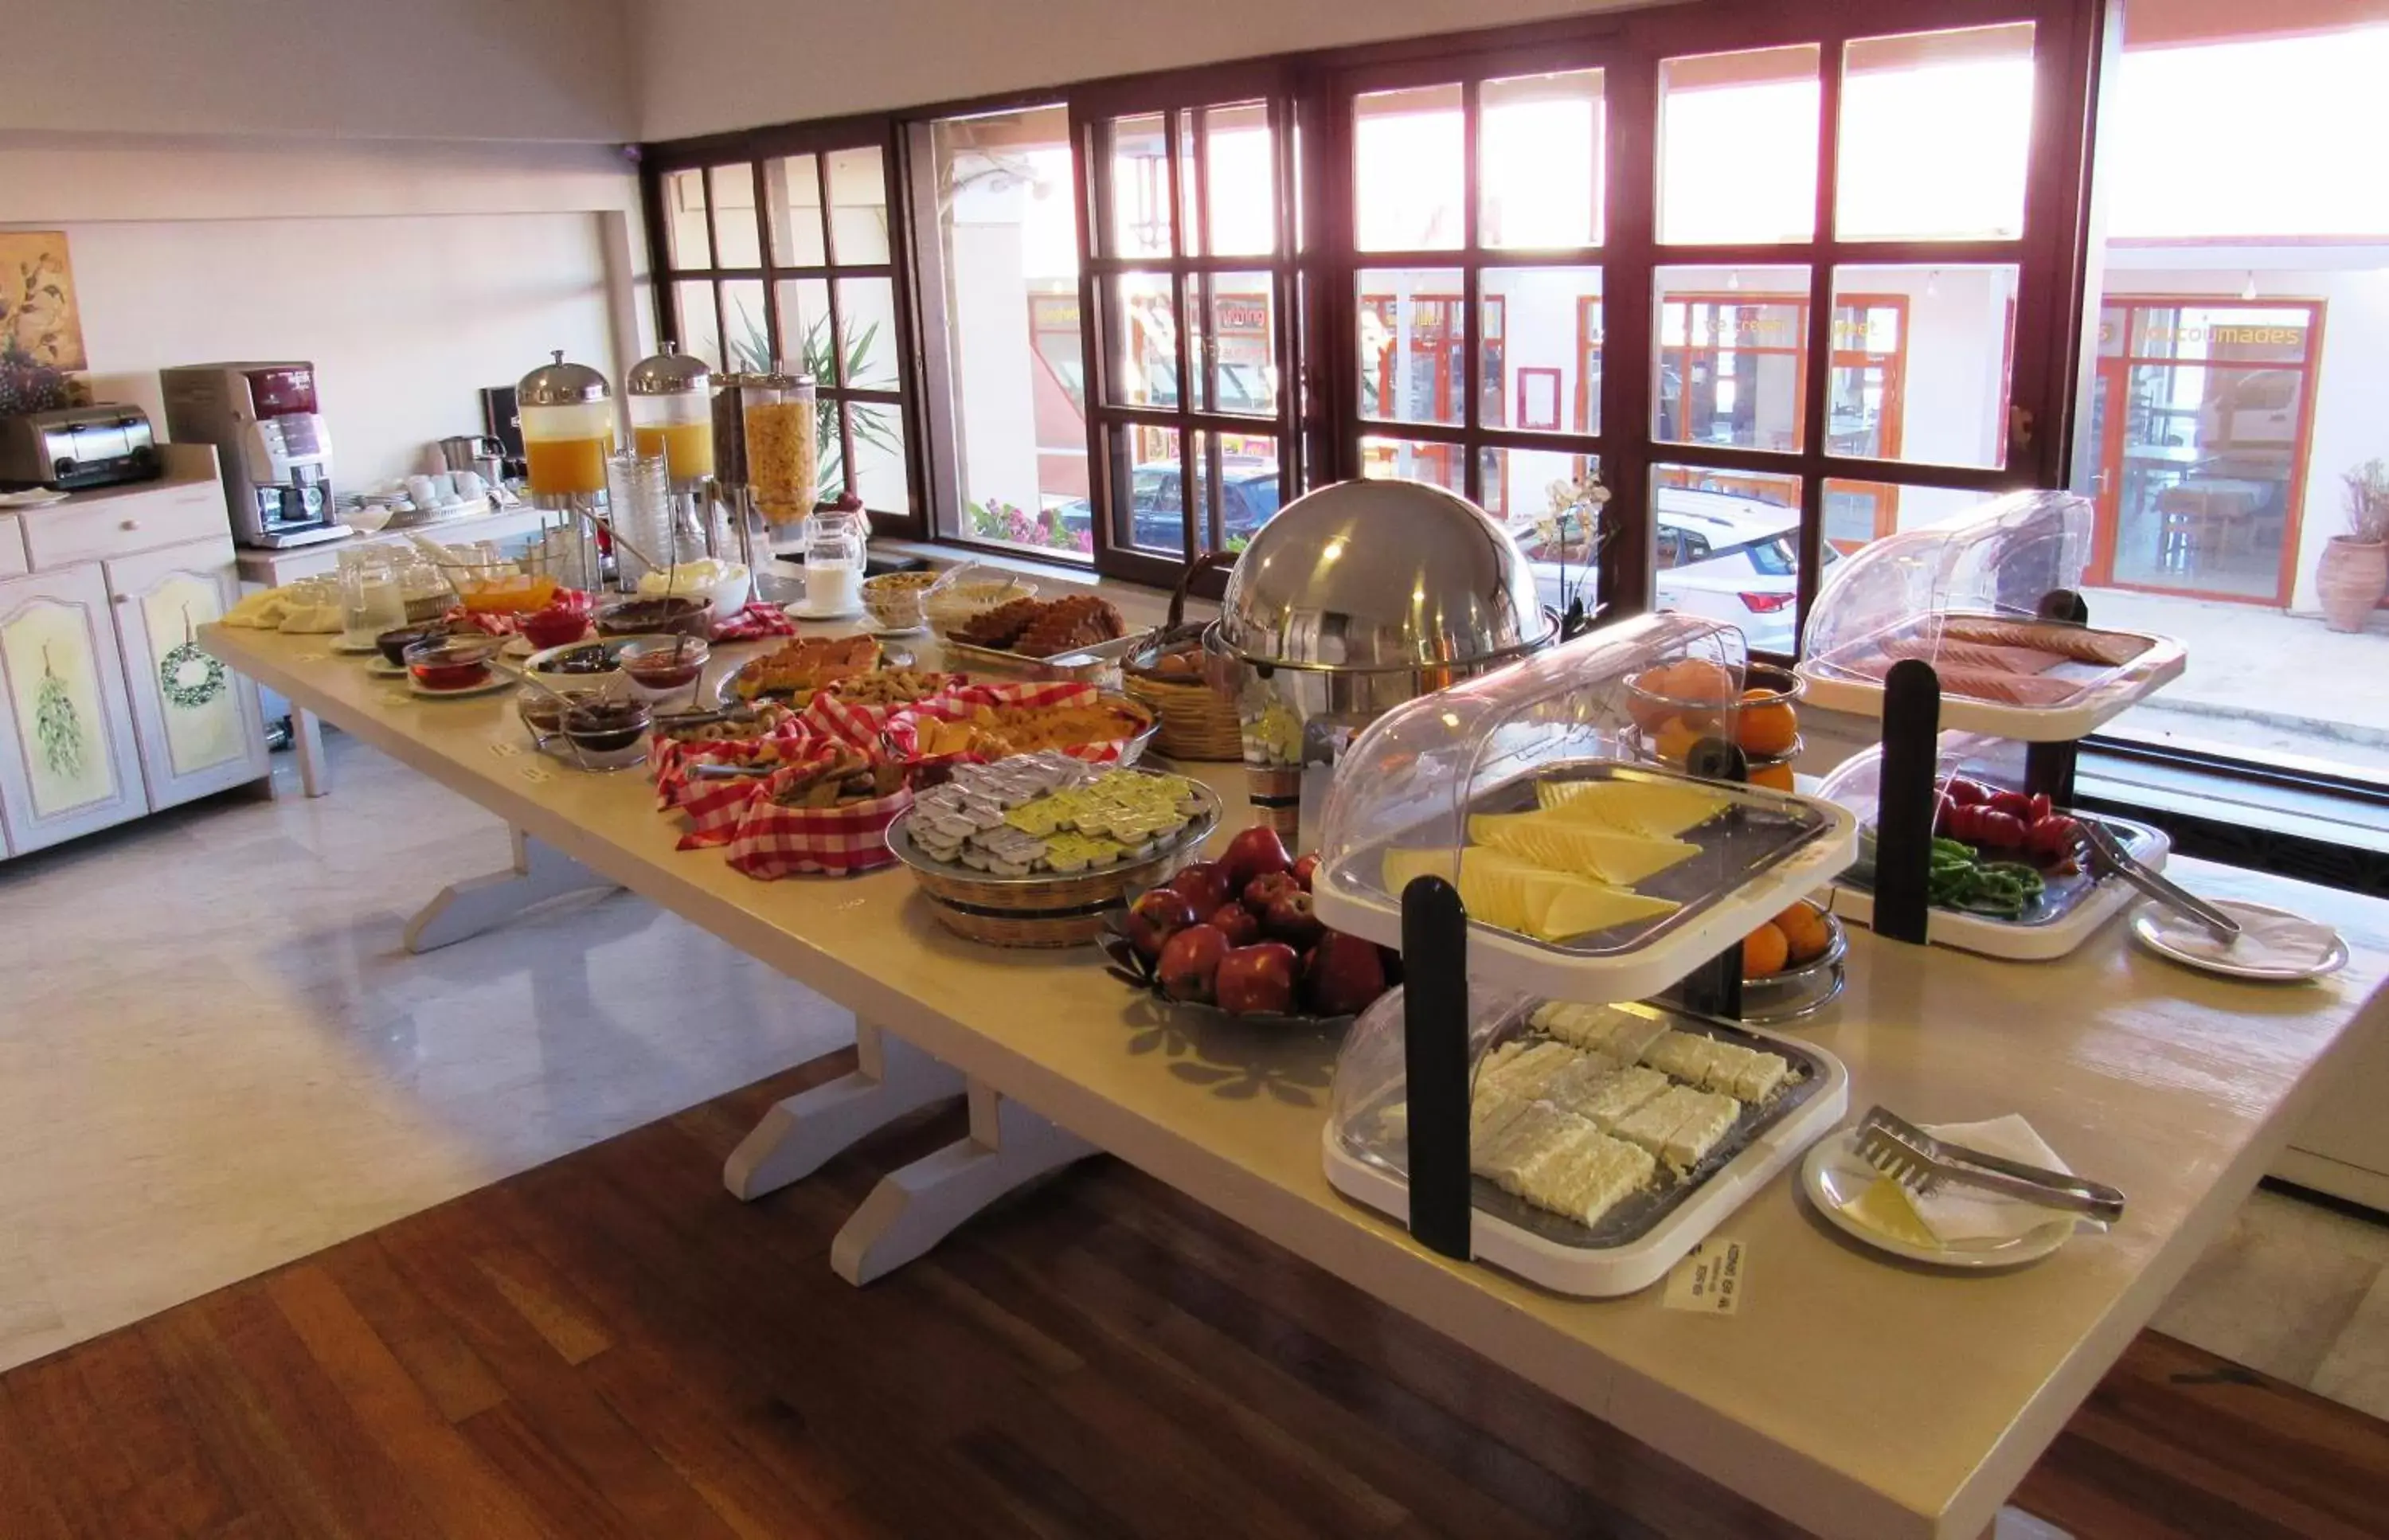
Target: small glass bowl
x,y
608,734
393,644
664,668
553,627
678,614
450,663
542,712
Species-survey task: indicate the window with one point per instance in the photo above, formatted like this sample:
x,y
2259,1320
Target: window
x,y
791,259
2234,383
1192,282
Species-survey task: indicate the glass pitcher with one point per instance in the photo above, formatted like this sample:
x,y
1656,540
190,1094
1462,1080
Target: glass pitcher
x,y
835,552
372,600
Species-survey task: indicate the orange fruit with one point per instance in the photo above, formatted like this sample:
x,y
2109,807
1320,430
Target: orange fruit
x,y
1765,724
1675,740
1764,952
1803,932
1775,777
1699,681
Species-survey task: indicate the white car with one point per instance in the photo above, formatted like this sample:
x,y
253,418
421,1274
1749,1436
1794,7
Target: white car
x,y
1721,557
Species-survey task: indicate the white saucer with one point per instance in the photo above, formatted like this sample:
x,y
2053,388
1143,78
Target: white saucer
x,y
800,611
1835,1173
2179,938
379,667
900,633
489,686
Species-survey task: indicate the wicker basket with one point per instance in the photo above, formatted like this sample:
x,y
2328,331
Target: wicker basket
x,y
1198,716
1045,911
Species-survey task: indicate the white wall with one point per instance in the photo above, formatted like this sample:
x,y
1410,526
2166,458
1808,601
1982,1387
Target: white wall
x,y
552,70
706,66
2350,424
411,274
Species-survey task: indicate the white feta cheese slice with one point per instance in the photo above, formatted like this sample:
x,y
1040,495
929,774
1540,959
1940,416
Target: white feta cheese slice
x,y
1759,1081
1709,1120
1624,1093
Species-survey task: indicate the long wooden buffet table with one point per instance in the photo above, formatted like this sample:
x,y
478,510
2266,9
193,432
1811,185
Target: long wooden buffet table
x,y
1852,1394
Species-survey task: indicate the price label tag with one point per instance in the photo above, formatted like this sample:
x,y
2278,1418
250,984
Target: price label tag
x,y
504,750
311,658
536,774
397,697
1711,1277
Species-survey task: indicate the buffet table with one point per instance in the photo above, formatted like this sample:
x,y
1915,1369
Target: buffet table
x,y
1852,1394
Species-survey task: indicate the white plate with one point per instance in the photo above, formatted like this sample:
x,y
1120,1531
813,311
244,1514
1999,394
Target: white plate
x,y
1835,1174
487,686
2153,926
801,611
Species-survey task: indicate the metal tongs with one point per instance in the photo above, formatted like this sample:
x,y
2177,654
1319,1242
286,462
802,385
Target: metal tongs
x,y
1921,1164
2108,858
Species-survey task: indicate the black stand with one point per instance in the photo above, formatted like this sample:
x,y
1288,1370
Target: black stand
x,y
1903,847
1435,1062
1714,987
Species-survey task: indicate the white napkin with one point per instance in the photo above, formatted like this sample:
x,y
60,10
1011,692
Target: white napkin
x,y
1963,1213
2266,940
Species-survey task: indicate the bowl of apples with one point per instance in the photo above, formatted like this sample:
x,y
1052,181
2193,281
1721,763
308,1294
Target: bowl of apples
x,y
1238,936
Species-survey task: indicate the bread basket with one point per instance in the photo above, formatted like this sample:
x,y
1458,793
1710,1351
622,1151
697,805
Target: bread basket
x,y
1194,712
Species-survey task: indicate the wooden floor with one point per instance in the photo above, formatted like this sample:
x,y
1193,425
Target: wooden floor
x,y
610,1346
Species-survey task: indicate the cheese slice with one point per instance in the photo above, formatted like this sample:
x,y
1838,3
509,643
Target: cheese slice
x,y
1575,844
1625,1092
1581,911
1512,894
1647,807
1757,1081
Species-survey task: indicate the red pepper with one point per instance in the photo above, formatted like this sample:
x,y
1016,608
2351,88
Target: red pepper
x,y
1967,793
2042,808
2014,804
2054,837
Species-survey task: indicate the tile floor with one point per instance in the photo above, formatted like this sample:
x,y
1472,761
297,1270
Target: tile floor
x,y
245,1068
215,1057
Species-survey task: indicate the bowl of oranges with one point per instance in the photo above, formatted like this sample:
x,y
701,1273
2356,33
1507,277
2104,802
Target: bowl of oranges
x,y
1792,965
1676,705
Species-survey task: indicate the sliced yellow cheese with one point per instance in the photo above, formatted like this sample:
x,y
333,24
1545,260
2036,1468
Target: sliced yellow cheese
x,y
1585,907
1645,807
1578,845
1884,1206
1491,882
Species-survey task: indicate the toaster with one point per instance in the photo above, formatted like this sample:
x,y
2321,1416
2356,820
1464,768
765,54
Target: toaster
x,y
74,448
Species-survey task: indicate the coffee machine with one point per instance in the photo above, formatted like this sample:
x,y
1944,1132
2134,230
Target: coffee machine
x,y
271,444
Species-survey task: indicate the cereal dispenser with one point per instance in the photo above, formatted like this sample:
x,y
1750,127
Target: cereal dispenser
x,y
783,454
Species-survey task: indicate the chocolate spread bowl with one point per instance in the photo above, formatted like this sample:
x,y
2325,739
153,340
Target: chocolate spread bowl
x,y
608,735
679,615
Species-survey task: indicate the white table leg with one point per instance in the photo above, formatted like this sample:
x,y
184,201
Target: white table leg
x,y
797,1137
914,1208
466,908
307,737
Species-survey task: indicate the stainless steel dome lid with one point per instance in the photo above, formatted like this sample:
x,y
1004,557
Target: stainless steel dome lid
x,y
1381,575
561,384
668,373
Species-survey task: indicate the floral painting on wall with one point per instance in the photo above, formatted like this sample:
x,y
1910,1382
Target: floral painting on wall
x,y
38,320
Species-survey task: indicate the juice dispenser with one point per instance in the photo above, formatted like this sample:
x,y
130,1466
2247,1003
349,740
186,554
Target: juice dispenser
x,y
567,428
671,414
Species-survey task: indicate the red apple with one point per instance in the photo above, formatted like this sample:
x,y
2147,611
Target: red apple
x,y
1236,922
1291,919
1157,914
1253,852
1190,962
1344,974
1259,977
1205,884
1304,868
1267,889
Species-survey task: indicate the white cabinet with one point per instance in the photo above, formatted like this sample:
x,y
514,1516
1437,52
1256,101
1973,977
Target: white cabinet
x,y
68,764
108,711
198,724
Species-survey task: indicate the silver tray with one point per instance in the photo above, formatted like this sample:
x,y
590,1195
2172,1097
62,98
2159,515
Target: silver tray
x,y
2060,897
1640,1212
1206,819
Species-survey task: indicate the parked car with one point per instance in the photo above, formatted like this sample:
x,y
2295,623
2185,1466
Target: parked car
x,y
1721,555
1248,491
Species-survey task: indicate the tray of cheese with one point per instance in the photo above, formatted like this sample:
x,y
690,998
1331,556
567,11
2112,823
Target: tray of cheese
x,y
1599,880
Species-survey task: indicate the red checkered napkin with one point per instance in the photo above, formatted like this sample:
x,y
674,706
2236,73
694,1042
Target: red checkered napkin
x,y
959,704
862,724
669,760
772,841
759,618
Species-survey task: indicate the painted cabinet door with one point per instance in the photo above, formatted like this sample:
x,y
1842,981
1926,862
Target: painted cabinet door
x,y
199,724
68,762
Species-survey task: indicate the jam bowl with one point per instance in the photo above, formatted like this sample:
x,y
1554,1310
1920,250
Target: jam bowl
x,y
543,711
447,664
677,614
608,735
661,666
393,644
594,666
556,626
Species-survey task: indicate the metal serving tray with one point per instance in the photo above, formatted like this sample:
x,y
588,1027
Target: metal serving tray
x,y
2061,896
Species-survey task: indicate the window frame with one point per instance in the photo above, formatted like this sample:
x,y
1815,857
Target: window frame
x,y
758,149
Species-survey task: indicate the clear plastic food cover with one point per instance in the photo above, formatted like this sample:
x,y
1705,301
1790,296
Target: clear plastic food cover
x,y
1591,866
1965,596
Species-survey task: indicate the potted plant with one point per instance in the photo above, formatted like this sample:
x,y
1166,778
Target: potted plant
x,y
2353,572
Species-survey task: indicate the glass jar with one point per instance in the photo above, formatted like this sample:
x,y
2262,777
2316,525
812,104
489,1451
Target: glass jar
x,y
638,506
671,400
567,428
836,545
783,453
371,600
426,589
